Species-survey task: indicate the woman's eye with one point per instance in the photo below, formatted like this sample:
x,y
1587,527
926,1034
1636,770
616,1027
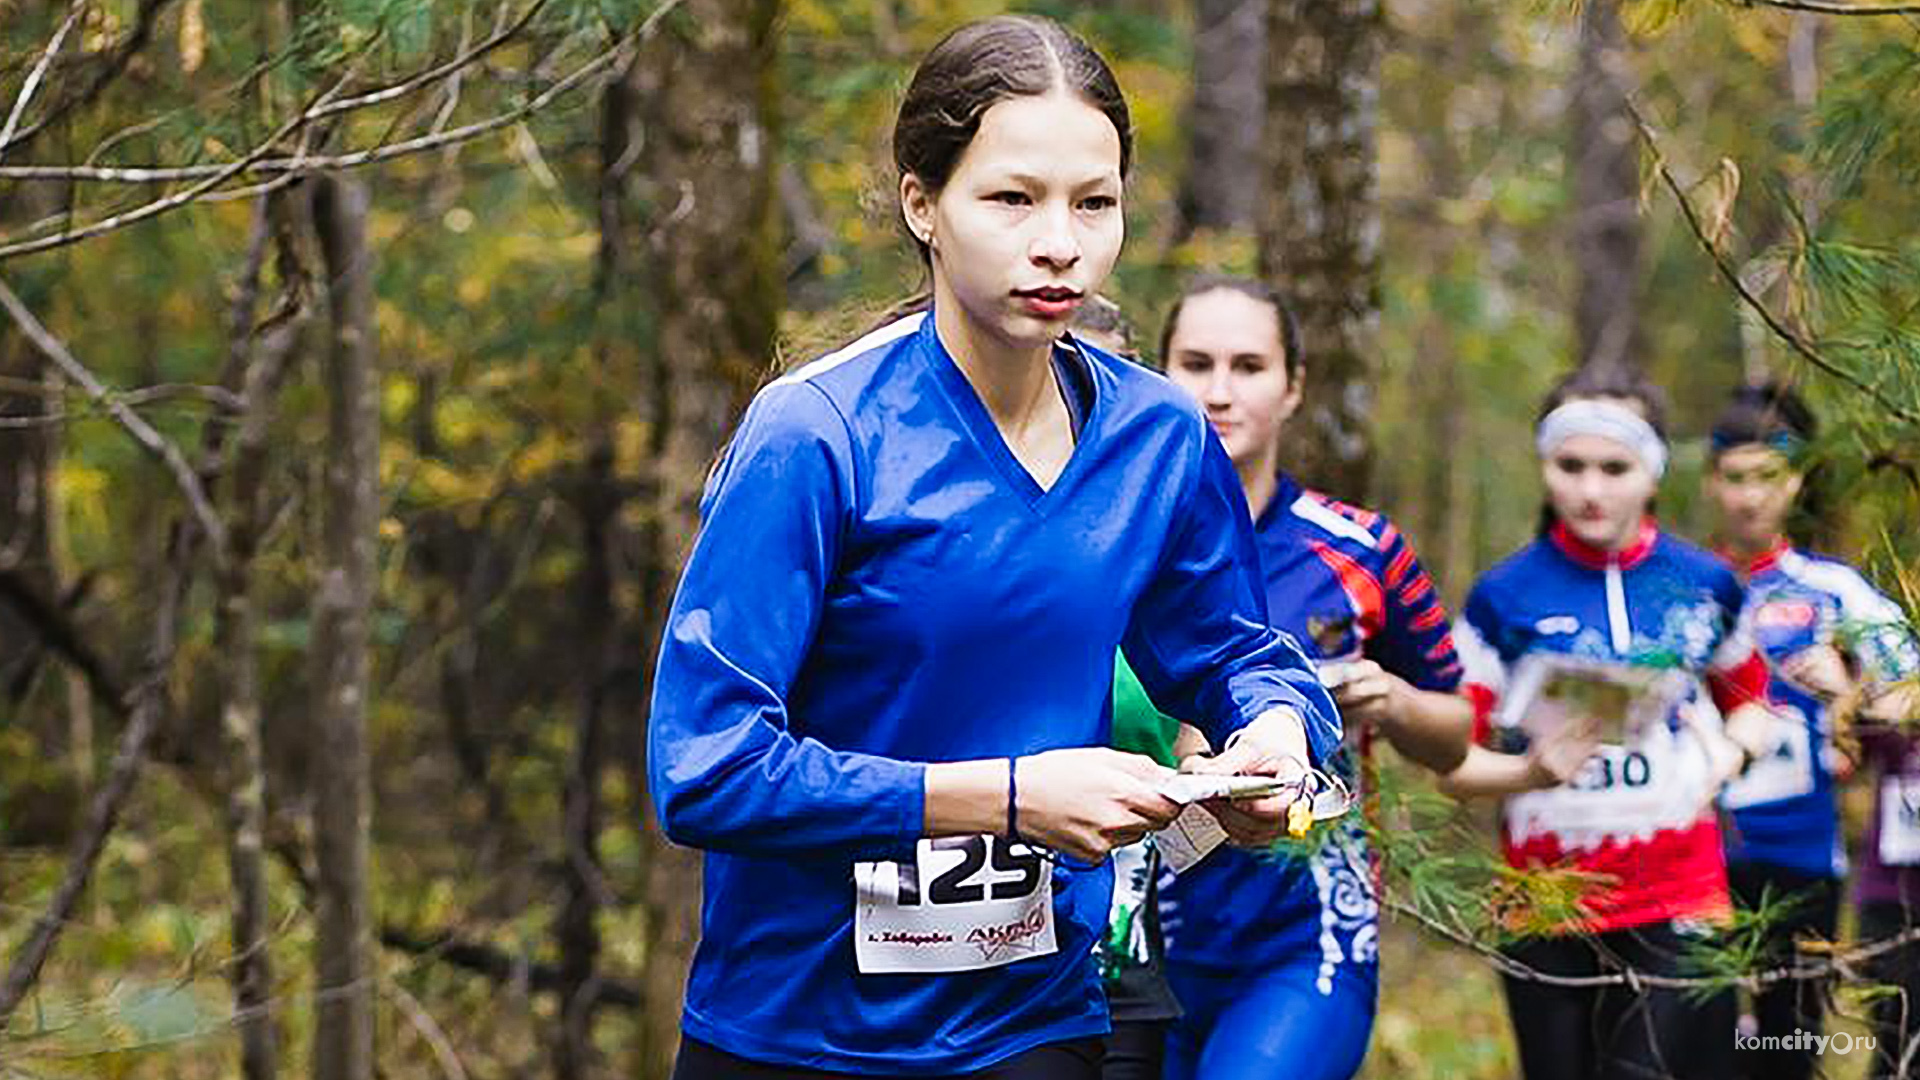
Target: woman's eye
x,y
1570,466
1010,198
1615,468
1098,203
1249,367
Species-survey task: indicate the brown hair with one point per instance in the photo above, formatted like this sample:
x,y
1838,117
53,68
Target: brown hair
x,y
982,64
1252,289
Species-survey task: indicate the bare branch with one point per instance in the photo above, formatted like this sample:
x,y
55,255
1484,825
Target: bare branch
x,y
142,432
1839,963
136,39
58,633
257,162
39,72
1822,8
430,1031
149,699
222,174
444,71
1731,274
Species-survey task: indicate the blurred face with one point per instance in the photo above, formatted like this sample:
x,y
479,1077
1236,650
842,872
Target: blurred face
x,y
1599,489
1753,486
1029,224
1226,352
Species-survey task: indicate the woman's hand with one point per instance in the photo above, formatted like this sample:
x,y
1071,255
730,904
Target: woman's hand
x,y
1369,694
1556,759
1821,670
1273,745
1088,801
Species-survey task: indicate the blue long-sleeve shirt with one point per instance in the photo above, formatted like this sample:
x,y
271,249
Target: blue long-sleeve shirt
x,y
878,584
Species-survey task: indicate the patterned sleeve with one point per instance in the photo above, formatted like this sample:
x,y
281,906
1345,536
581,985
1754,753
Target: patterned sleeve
x,y
1737,673
1416,641
1876,633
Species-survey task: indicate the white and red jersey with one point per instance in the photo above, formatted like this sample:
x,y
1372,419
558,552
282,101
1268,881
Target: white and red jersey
x,y
1638,815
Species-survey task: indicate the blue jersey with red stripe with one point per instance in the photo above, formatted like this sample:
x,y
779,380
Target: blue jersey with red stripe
x,y
1783,808
1346,584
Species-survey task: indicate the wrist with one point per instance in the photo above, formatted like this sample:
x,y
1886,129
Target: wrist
x,y
966,798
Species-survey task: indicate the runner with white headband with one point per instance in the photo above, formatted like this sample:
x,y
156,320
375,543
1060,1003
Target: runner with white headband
x,y
1606,420
1591,654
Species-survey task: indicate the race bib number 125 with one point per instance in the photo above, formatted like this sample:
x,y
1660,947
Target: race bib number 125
x,y
964,903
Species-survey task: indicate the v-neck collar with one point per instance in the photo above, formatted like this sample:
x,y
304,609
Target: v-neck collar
x,y
986,434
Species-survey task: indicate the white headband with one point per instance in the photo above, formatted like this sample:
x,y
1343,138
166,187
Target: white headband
x,y
1609,421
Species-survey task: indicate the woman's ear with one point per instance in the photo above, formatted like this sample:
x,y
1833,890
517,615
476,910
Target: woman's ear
x,y
916,206
1296,389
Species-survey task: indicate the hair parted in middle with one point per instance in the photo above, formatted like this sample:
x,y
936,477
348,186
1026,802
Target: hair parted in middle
x,y
984,63
1252,289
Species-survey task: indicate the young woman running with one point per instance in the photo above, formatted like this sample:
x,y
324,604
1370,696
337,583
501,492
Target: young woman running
x,y
884,690
1274,960
1829,638
1604,583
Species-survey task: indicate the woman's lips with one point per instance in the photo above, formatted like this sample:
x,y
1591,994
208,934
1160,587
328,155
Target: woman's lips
x,y
1050,302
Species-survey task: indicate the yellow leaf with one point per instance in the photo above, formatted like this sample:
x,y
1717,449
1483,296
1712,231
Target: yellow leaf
x,y
193,36
1723,190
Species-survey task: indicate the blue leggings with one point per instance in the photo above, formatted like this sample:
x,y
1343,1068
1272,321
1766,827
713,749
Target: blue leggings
x,y
1270,1025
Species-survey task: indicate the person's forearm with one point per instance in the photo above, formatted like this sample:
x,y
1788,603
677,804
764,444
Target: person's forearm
x,y
966,798
1279,732
1432,729
1488,772
1189,742
1894,702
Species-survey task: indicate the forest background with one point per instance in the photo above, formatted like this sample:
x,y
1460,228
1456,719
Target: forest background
x,y
363,360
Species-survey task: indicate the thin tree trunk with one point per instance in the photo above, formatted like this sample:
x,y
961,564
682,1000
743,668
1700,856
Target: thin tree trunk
x,y
1320,221
706,92
1221,186
597,503
1606,184
343,960
254,372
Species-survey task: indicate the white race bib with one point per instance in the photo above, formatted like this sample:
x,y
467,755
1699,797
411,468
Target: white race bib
x,y
1900,821
1783,772
1620,792
964,903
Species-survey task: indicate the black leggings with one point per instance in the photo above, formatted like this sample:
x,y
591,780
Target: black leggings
x,y
1077,1060
1793,1004
1614,1032
1137,1050
1896,1017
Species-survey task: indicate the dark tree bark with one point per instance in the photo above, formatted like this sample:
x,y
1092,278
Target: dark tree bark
x,y
711,255
343,960
1320,222
1221,186
1606,185
236,659
596,503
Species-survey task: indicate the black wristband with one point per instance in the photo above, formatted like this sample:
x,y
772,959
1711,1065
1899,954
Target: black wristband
x,y
1013,800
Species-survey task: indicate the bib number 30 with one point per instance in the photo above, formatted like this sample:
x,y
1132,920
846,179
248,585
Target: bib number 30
x,y
963,903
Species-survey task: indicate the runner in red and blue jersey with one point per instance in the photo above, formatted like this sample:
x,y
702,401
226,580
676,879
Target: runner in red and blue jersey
x,y
1275,960
1604,586
1828,637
